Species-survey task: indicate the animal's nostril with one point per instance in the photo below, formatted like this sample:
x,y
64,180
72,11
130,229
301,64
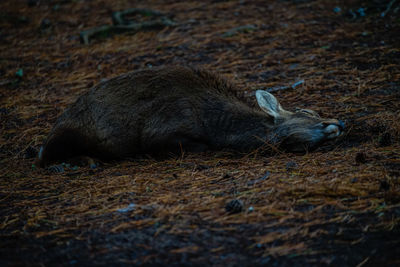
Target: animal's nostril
x,y
341,125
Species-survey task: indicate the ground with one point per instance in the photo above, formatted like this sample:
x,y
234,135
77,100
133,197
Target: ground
x,y
339,205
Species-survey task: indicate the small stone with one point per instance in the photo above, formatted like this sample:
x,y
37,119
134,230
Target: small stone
x,y
234,206
361,158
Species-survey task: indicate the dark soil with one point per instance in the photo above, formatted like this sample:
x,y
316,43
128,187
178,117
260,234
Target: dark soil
x,y
339,205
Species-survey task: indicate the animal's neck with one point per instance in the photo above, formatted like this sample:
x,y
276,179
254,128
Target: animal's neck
x,y
250,133
239,128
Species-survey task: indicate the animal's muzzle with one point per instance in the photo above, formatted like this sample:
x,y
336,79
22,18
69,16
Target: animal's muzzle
x,y
333,128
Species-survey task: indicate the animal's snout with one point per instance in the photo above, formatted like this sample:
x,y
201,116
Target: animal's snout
x,y
333,128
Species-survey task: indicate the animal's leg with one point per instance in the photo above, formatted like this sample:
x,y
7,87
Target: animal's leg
x,y
65,143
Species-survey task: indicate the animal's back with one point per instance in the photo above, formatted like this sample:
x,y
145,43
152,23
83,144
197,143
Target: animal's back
x,y
142,112
163,83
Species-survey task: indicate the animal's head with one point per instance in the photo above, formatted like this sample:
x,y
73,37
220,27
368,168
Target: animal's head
x,y
301,130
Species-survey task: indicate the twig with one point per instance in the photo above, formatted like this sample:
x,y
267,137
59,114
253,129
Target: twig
x,y
279,88
363,262
118,17
265,177
240,29
297,84
107,30
121,25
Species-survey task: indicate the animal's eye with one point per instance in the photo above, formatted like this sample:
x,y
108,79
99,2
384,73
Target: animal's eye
x,y
308,112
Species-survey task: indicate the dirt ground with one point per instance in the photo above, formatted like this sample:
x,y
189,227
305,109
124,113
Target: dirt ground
x,y
339,205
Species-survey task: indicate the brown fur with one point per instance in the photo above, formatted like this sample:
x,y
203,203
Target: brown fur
x,y
166,110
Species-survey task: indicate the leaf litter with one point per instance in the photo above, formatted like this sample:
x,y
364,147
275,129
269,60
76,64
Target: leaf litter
x,y
338,205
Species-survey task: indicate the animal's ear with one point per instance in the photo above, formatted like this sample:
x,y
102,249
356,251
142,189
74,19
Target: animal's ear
x,y
269,104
